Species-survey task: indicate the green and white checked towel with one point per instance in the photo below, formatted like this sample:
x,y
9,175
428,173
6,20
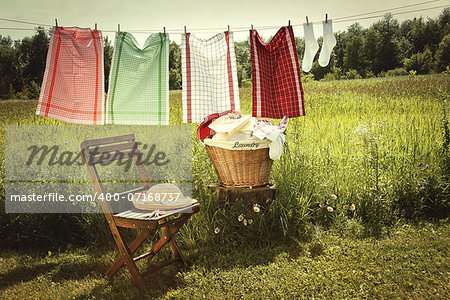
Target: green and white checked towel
x,y
138,91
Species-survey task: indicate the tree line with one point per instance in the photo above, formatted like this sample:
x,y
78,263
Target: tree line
x,y
386,48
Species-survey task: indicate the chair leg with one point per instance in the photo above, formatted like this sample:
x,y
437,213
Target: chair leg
x,y
126,257
174,247
168,233
133,247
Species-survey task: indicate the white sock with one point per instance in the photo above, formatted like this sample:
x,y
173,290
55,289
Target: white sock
x,y
311,47
329,41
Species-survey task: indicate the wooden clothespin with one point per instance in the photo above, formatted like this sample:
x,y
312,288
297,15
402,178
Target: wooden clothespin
x,y
56,21
252,27
185,32
289,23
118,28
307,21
326,18
95,26
164,29
228,28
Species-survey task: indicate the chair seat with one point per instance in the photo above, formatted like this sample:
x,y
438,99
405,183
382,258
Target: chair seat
x,y
155,215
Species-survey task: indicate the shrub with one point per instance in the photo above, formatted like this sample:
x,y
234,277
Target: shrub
x,y
396,72
421,62
352,74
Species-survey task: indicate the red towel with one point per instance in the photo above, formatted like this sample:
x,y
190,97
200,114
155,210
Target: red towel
x,y
73,85
277,87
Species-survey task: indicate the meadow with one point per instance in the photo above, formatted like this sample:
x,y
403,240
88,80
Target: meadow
x,y
362,176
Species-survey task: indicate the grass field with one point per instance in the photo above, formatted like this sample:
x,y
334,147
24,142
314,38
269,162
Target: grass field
x,y
370,157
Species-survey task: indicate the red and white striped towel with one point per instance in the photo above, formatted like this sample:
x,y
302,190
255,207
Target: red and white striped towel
x,y
73,85
209,76
277,87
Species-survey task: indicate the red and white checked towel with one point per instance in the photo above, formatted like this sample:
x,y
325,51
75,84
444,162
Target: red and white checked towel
x,y
277,87
209,76
73,85
265,129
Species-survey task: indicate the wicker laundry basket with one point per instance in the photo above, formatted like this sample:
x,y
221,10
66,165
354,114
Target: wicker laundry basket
x,y
241,168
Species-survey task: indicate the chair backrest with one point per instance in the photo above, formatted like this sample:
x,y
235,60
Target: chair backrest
x,y
106,150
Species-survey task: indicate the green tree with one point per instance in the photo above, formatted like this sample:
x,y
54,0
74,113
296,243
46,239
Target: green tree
x,y
107,59
370,48
32,55
174,66
9,71
243,61
443,54
388,48
354,54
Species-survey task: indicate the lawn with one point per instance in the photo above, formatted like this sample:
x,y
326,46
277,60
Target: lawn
x,y
361,210
410,263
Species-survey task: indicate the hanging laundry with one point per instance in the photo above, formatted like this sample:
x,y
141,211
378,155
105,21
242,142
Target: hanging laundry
x,y
138,92
311,47
277,87
209,76
329,41
73,85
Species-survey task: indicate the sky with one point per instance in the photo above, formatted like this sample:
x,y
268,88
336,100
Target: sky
x,y
197,16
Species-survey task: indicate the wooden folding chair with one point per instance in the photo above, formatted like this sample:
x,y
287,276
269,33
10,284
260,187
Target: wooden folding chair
x,y
106,150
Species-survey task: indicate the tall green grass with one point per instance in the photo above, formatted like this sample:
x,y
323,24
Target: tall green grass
x,y
368,153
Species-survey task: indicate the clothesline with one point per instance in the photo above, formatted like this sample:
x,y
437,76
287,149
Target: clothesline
x,y
351,18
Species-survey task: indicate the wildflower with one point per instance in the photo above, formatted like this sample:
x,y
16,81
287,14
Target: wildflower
x,y
250,221
196,187
245,222
88,209
422,188
427,167
330,209
217,230
256,208
93,204
321,204
352,207
419,164
346,206
241,217
333,196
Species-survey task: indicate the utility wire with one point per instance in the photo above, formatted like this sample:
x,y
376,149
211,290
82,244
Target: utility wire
x,y
385,10
24,22
244,29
